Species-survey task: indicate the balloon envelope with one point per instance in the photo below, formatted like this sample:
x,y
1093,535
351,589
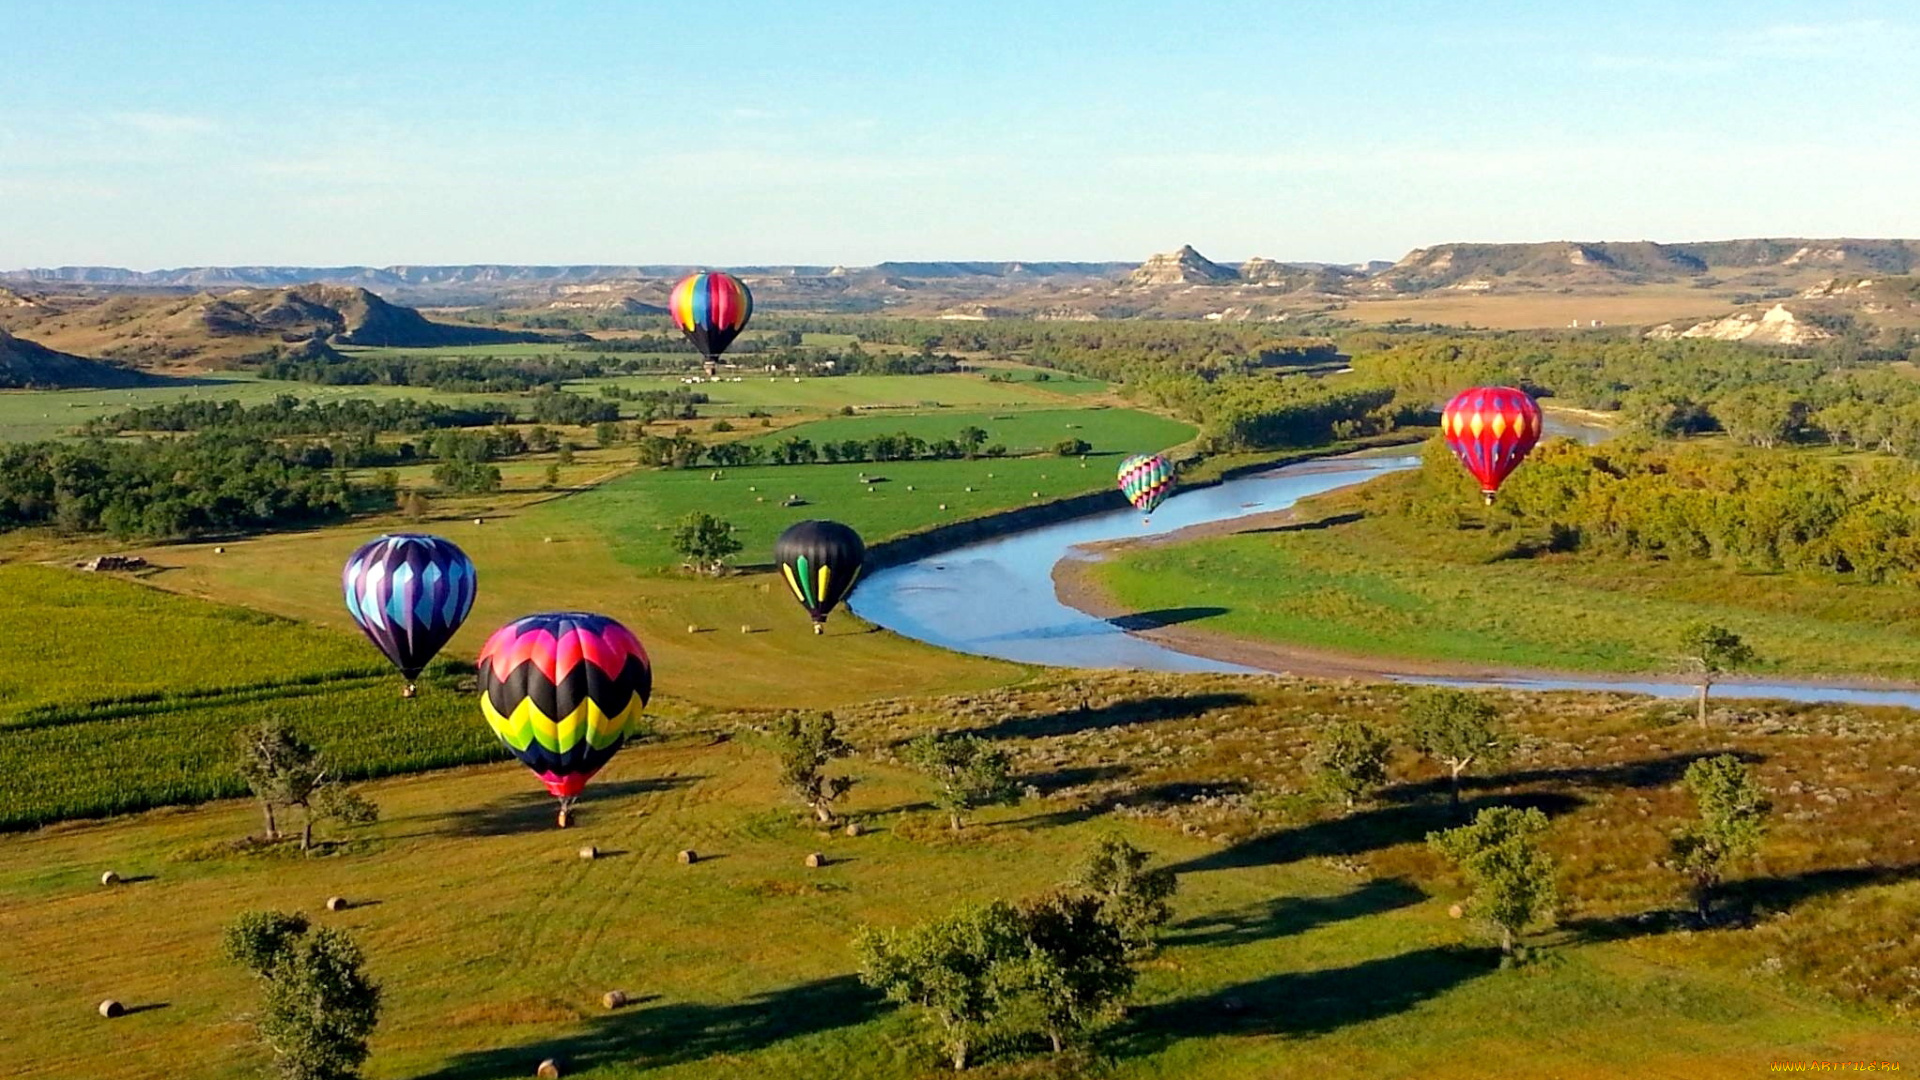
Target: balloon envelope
x,y
408,593
711,309
563,690
1490,428
821,561
1146,480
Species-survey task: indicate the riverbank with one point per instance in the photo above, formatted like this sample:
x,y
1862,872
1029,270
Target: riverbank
x,y
1247,552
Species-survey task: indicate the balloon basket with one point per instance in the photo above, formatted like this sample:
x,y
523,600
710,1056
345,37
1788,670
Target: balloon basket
x,y
408,691
819,628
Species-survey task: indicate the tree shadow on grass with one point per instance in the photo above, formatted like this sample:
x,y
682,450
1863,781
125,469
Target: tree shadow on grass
x,y
1166,794
1739,901
1154,620
1116,714
534,811
1306,1002
671,1034
1285,916
1648,773
1367,830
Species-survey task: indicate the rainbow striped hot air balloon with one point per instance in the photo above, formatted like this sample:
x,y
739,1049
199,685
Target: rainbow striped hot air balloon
x,y
711,309
563,690
408,593
1146,480
1490,428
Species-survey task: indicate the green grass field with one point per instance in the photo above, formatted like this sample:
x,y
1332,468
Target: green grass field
x,y
26,415
1321,948
1386,586
636,512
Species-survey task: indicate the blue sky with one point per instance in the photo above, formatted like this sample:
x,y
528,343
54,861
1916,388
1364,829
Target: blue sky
x,y
183,133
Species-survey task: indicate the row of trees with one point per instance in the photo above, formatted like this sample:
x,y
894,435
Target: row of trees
x,y
1763,510
682,451
174,487
1670,388
287,415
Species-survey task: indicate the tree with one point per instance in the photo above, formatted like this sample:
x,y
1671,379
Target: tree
x,y
970,772
1138,901
953,968
1349,760
1071,447
706,541
563,453
1455,729
972,439
806,743
1733,813
1075,969
606,433
1499,855
1709,650
318,1006
414,505
284,770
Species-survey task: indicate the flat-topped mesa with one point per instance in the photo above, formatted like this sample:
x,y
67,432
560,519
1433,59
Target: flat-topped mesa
x,y
1183,267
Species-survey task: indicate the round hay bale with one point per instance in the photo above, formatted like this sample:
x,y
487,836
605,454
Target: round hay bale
x,y
613,999
109,878
479,521
337,903
869,489
1456,911
689,857
815,861
219,551
589,853
549,539
548,1070
753,487
943,506
1036,494
969,487
759,498
693,628
745,629
111,1008
909,487
854,828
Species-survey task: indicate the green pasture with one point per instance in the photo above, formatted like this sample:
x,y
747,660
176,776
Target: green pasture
x,y
635,512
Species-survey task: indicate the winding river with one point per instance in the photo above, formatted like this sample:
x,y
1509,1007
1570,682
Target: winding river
x,y
996,598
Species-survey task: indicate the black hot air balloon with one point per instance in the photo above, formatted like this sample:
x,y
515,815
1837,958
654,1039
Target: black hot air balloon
x,y
821,560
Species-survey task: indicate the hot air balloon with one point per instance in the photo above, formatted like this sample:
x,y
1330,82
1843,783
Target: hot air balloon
x,y
821,560
711,309
1490,428
563,691
1146,480
409,592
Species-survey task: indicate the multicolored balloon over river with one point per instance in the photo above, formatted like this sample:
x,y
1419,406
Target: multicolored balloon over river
x,y
1146,480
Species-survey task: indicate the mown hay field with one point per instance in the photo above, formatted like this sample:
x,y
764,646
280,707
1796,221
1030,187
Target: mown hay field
x,y
1306,942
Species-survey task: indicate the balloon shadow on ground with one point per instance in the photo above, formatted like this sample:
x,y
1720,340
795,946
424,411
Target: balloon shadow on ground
x,y
535,811
1114,714
1306,1002
1154,620
1365,831
1316,525
671,1034
1285,916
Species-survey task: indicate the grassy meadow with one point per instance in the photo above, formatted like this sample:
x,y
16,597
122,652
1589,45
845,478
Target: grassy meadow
x,y
1305,943
1384,585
